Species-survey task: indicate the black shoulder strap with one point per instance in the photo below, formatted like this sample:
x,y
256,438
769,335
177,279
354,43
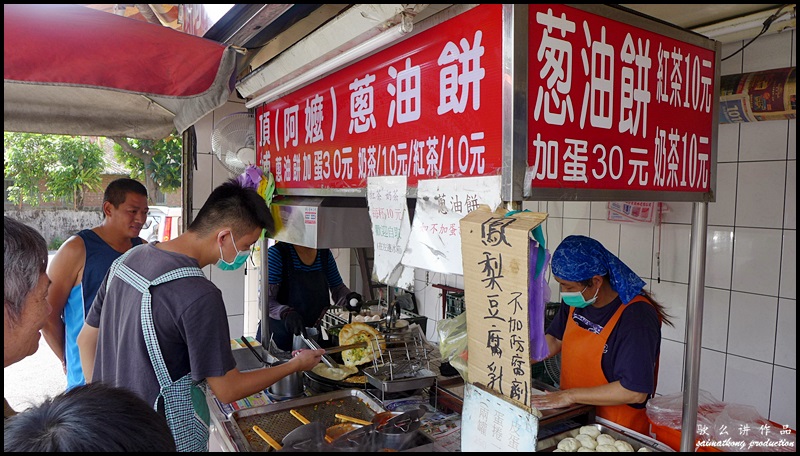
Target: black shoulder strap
x,y
326,258
286,259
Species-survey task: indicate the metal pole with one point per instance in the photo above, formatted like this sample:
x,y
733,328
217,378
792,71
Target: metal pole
x,y
694,324
189,155
264,296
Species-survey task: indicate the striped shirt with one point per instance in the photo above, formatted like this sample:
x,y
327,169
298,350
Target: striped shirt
x,y
276,266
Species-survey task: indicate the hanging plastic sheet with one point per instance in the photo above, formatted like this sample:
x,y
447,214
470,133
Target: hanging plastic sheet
x,y
538,294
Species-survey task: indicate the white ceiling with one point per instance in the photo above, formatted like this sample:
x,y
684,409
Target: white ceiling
x,y
726,23
691,16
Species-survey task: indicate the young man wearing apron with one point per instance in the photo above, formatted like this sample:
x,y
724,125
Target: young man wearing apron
x,y
608,331
159,327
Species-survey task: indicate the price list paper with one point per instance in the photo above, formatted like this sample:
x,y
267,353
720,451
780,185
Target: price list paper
x,y
491,423
435,243
388,212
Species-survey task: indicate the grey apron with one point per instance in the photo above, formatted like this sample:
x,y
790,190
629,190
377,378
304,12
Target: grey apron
x,y
185,407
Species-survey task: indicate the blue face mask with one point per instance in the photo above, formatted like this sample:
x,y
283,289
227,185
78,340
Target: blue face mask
x,y
241,258
575,298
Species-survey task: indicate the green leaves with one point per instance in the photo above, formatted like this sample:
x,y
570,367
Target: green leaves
x,y
25,157
77,169
157,163
51,167
54,167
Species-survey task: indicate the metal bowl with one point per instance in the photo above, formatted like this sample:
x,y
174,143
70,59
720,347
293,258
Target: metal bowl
x,y
288,387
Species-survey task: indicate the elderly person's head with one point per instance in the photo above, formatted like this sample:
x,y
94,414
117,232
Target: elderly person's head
x,y
25,286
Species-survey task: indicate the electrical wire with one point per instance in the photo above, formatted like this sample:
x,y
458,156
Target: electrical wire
x,y
767,23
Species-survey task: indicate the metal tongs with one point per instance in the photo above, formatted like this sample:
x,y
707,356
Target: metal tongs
x,y
315,346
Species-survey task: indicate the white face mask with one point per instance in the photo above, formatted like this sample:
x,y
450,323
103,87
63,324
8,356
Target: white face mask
x,y
241,258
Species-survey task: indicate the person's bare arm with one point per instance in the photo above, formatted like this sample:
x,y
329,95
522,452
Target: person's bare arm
x,y
87,345
609,394
553,345
65,271
235,385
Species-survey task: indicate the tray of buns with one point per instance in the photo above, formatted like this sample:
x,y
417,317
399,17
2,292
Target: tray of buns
x,y
597,437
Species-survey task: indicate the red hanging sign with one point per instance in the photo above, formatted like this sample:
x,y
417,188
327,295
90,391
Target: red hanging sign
x,y
427,107
613,106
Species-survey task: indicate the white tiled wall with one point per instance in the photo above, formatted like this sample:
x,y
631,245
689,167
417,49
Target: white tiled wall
x,y
748,351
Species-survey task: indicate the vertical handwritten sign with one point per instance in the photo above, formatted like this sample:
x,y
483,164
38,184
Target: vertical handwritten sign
x,y
388,212
435,242
491,423
495,251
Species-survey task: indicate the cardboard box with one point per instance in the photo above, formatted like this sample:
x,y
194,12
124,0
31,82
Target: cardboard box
x,y
495,251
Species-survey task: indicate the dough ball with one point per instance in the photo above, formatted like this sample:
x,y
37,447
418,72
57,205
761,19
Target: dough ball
x,y
623,446
585,450
569,445
591,431
606,449
605,439
644,450
559,450
586,441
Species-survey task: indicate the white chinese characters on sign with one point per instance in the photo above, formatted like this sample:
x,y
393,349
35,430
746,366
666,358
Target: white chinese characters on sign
x,y
408,99
615,68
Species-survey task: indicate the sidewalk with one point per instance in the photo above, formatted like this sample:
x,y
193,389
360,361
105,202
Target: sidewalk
x,y
33,379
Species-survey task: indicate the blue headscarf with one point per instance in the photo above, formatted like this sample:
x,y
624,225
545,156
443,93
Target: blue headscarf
x,y
578,258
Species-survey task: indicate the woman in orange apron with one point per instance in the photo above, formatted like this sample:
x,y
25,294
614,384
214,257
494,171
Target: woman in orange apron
x,y
608,331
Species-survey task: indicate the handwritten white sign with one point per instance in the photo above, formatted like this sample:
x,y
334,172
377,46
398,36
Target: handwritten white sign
x,y
491,423
388,211
435,242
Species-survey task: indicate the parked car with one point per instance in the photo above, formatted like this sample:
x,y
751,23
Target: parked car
x,y
163,223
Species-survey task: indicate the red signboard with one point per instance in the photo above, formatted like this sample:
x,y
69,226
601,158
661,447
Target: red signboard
x,y
612,106
427,107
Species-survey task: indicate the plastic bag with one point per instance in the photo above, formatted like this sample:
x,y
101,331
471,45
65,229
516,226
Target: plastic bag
x,y
724,426
667,410
453,342
741,428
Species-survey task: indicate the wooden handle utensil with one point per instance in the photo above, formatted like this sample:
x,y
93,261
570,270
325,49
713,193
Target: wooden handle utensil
x,y
353,419
300,417
267,438
304,420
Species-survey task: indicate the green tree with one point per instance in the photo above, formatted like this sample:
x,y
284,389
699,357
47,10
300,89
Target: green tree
x,y
24,158
157,162
77,169
51,167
